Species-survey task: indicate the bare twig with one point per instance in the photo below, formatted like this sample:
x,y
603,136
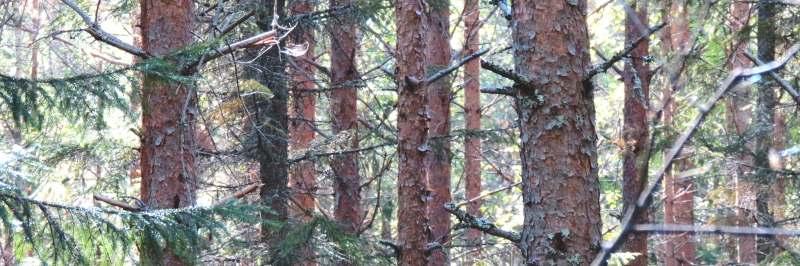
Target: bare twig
x,y
785,84
507,91
117,203
444,72
103,36
622,54
488,194
713,229
481,224
504,72
645,197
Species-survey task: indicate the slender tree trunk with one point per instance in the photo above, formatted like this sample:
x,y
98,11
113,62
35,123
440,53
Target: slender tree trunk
x,y
778,195
301,127
635,130
437,57
272,134
738,120
472,111
411,122
344,112
678,190
168,118
763,126
556,115
302,179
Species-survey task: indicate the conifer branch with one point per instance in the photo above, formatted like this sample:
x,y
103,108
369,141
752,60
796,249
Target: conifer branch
x,y
622,54
644,200
481,224
103,36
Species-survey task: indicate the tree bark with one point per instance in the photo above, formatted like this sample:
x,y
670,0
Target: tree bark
x,y
738,120
344,112
472,111
271,136
635,133
764,117
302,178
678,190
301,127
169,111
437,57
556,115
412,125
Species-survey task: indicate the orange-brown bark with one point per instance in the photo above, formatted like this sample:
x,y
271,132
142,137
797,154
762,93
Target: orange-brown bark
x,y
635,132
437,57
738,120
301,128
168,117
472,111
411,122
302,178
556,115
343,108
678,191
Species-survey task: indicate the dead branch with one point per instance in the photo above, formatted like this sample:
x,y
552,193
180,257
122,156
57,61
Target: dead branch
x,y
103,36
597,69
713,229
644,200
784,84
467,220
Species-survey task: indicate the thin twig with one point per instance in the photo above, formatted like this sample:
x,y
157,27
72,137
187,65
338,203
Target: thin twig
x,y
622,54
103,36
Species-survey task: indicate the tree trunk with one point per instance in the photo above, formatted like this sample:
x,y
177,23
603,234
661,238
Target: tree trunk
x,y
301,127
411,123
763,119
303,181
678,190
344,112
437,57
472,111
556,115
169,112
272,134
738,120
635,130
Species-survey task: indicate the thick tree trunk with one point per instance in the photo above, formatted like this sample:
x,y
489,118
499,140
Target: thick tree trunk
x,y
343,108
472,111
738,120
763,126
678,190
437,57
556,116
411,122
635,129
302,179
169,112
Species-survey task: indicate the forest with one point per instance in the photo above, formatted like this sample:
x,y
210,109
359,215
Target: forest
x,y
399,132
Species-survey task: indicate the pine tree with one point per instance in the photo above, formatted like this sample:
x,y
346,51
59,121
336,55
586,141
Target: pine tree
x,y
556,113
